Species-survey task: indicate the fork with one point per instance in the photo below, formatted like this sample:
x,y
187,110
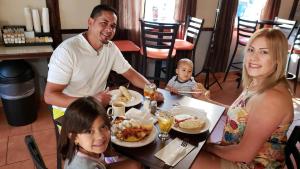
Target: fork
x,y
184,143
179,152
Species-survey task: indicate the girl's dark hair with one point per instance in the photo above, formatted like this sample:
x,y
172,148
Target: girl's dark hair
x,y
79,118
102,7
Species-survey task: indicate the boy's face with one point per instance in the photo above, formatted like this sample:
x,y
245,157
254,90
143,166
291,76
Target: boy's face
x,y
184,72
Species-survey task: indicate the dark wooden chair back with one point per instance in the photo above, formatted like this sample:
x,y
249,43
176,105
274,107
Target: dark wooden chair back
x,y
286,26
34,152
292,153
245,29
193,29
158,44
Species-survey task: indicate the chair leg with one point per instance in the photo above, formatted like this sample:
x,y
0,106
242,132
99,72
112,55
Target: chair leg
x,y
144,68
230,63
158,67
296,78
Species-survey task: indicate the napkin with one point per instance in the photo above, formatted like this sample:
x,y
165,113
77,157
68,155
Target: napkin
x,y
134,113
173,152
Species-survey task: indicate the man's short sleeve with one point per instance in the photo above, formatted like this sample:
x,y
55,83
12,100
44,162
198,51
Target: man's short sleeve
x,y
60,67
120,64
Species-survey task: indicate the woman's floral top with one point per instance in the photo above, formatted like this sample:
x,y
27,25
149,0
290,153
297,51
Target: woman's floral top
x,y
271,155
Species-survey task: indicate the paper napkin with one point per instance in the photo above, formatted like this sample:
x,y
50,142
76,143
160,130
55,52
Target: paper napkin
x,y
172,153
134,113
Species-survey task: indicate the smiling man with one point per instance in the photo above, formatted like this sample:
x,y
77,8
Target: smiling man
x,y
81,65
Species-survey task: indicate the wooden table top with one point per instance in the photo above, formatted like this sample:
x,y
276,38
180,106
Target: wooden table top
x,y
146,153
25,52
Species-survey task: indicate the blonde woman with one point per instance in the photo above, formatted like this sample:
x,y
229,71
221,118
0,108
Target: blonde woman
x,y
255,130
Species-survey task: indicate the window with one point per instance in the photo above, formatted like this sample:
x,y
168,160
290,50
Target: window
x,y
159,9
250,9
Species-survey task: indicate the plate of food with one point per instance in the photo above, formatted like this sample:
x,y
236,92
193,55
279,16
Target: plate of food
x,y
189,120
132,133
129,97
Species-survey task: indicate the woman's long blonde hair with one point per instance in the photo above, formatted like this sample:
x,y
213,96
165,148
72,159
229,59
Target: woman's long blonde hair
x,y
278,50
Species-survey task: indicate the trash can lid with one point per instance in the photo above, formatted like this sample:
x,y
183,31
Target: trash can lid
x,y
15,71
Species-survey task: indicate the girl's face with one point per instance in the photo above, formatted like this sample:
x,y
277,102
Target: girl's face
x,y
96,139
184,72
259,63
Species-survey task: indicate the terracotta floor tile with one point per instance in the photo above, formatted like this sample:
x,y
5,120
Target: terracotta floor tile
x,y
3,150
46,141
50,161
17,150
44,120
14,131
28,164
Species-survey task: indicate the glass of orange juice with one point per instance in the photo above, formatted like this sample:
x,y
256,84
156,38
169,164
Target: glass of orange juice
x,y
165,123
149,91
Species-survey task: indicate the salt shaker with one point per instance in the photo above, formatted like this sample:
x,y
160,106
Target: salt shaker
x,y
153,107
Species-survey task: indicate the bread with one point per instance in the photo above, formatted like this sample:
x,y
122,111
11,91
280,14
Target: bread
x,y
192,124
125,92
182,117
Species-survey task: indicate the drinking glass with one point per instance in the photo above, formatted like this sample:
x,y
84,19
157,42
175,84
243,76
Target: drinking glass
x,y
165,123
149,91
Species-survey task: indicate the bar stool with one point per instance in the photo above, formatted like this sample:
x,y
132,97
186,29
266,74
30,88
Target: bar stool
x,y
193,29
245,29
158,45
294,56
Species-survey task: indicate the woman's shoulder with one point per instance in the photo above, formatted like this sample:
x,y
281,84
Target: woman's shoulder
x,y
276,100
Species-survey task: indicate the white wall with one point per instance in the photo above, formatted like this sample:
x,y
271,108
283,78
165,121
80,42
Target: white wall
x,y
77,16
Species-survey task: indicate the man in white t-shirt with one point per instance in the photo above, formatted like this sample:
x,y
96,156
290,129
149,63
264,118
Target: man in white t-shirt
x,y
80,65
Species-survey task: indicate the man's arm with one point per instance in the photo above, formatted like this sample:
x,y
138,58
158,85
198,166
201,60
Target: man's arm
x,y
135,78
54,96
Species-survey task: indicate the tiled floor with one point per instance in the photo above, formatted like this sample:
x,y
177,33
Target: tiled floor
x,y
14,155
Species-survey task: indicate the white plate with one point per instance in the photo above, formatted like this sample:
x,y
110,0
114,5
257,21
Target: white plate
x,y
136,99
141,143
190,111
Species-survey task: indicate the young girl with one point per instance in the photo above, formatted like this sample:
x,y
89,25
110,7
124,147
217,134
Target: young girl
x,y
85,136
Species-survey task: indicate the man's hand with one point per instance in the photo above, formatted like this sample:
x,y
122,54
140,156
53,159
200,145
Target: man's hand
x,y
104,97
159,97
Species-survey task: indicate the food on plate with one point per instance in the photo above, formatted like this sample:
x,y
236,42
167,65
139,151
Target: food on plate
x,y
192,124
130,130
125,92
182,117
189,122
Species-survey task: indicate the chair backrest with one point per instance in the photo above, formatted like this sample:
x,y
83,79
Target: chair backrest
x,y
245,29
291,151
158,36
296,41
193,29
286,26
34,152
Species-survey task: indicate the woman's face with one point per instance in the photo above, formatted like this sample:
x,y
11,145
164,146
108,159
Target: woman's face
x,y
258,62
96,139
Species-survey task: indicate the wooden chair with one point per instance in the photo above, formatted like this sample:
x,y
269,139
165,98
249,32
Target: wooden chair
x,y
34,152
291,151
158,45
193,29
245,29
286,26
294,53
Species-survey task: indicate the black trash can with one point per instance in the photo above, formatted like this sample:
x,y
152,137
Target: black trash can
x,y
17,92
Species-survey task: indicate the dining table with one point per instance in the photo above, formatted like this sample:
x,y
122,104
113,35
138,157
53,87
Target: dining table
x,y
146,153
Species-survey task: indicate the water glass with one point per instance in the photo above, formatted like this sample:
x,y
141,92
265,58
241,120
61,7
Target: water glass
x,y
165,123
149,91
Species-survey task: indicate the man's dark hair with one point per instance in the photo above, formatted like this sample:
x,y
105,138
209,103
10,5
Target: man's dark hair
x,y
102,7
